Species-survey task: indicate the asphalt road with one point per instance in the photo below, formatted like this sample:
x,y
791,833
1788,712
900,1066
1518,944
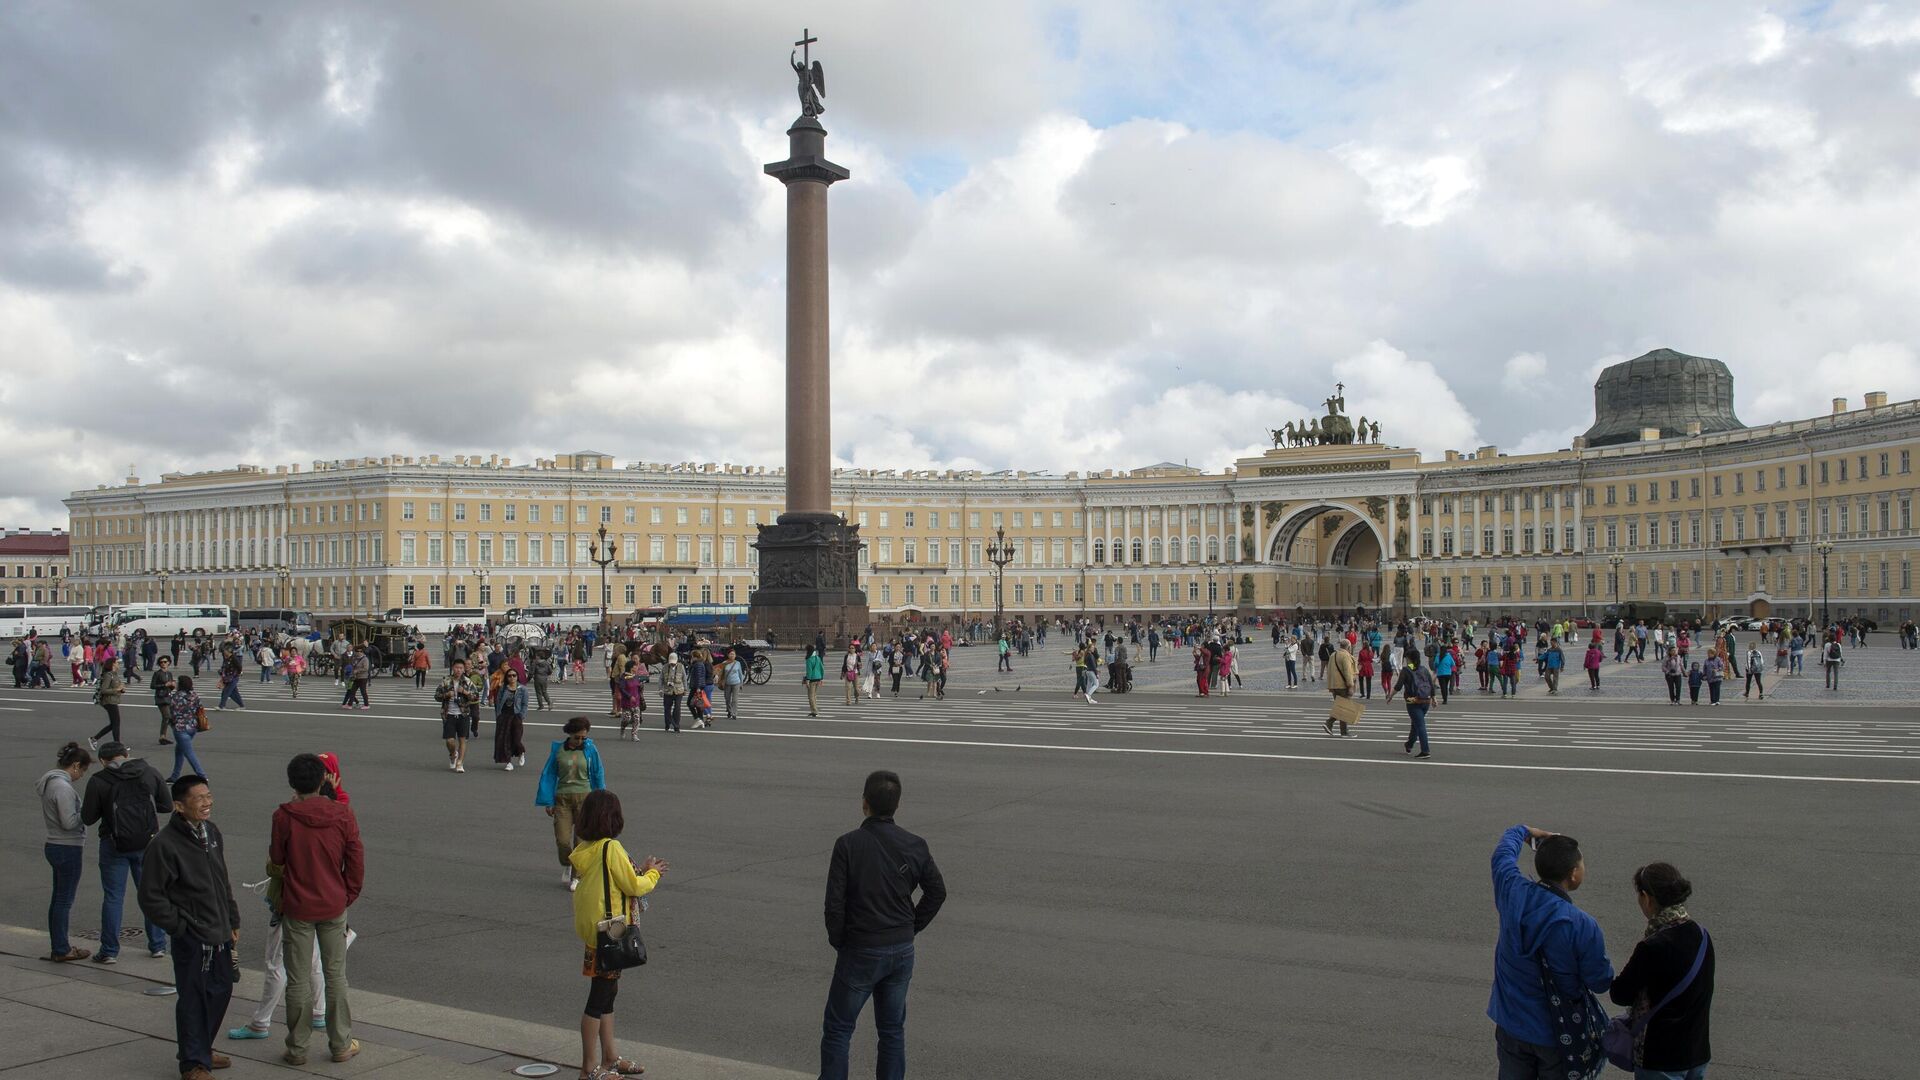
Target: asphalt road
x,y
1151,886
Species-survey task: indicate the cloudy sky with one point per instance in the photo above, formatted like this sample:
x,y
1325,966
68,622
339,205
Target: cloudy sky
x,y
1078,235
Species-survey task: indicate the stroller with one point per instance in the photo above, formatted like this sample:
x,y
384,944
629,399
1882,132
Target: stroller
x,y
1120,678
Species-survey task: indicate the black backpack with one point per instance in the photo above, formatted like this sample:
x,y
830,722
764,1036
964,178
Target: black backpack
x,y
132,820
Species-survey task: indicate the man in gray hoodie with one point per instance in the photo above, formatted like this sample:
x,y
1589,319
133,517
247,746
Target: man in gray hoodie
x,y
66,843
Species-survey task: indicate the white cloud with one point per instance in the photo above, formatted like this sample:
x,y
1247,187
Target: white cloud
x,y
1149,235
1525,367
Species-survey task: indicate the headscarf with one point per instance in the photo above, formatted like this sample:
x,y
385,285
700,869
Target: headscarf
x,y
335,784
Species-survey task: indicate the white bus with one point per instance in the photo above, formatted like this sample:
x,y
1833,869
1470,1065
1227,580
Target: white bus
x,y
566,617
165,620
20,620
284,620
437,620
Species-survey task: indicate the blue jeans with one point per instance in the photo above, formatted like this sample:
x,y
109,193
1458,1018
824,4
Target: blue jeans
x,y
113,887
231,690
183,754
1522,1060
882,974
67,861
1417,726
1698,1072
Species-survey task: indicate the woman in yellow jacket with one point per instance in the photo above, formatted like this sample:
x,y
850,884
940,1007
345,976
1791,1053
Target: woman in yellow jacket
x,y
609,881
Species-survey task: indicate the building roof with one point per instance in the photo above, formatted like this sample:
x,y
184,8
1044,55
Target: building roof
x,y
34,544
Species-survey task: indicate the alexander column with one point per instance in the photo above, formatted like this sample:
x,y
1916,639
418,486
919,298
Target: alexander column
x,y
810,557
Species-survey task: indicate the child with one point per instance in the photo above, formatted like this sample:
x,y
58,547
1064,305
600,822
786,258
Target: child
x,y
631,701
1694,678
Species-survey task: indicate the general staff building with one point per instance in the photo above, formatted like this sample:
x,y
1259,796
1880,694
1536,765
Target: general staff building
x,y
1668,498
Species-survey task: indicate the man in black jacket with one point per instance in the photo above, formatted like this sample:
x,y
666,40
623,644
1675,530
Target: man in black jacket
x,y
871,921
187,892
126,796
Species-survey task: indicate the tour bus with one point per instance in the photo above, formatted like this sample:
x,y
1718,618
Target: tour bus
x,y
166,620
284,620
706,616
566,617
19,620
437,620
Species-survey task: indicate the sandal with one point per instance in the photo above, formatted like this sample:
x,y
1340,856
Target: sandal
x,y
73,954
623,1067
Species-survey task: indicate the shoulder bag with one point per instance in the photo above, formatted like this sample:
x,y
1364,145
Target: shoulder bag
x,y
1577,1020
1624,1031
618,945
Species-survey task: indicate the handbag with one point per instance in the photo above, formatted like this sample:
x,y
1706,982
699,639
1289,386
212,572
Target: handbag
x,y
615,951
1624,1031
1579,1026
200,721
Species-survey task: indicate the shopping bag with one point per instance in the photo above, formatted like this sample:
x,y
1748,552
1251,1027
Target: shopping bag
x,y
1347,710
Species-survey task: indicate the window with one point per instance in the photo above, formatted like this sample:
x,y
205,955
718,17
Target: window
x,y
1716,487
406,551
580,592
433,513
510,511
406,511
434,551
1610,493
630,515
1633,494
533,594
1693,486
1590,584
433,595
1739,484
486,511
631,592
907,519
459,595
533,516
459,511
406,595
654,596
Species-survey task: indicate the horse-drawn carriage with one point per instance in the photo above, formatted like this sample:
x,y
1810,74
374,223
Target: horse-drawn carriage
x,y
752,654
387,641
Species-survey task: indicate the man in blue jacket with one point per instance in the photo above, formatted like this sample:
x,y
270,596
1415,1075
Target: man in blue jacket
x,y
1538,920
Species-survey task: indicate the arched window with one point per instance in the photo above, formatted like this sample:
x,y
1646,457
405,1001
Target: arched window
x,y
1193,549
1139,551
1099,551
1213,549
1158,551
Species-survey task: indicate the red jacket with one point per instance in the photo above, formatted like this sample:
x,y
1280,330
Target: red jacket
x,y
317,842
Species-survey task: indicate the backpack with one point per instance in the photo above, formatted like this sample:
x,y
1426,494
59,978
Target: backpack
x,y
131,819
1421,683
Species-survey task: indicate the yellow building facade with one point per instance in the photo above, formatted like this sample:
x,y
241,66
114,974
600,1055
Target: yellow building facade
x,y
1774,519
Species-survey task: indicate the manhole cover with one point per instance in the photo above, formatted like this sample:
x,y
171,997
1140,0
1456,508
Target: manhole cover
x,y
538,1068
130,933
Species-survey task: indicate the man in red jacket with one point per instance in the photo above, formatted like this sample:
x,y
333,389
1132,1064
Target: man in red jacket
x,y
316,856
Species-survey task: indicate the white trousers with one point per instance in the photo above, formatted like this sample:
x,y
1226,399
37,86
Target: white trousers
x,y
276,987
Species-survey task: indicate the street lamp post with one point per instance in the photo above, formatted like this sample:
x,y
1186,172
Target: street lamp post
x,y
999,553
600,554
1825,548
1402,584
285,574
162,575
482,574
1210,572
1615,561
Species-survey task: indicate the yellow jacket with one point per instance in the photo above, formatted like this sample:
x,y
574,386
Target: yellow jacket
x,y
590,899
1342,670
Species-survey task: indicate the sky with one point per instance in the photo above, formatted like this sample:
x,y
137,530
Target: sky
x,y
1077,235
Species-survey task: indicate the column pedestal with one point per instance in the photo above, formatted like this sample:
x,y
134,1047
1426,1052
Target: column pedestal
x,y
809,580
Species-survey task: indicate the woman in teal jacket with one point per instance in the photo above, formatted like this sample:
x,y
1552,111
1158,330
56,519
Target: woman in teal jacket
x,y
572,770
816,671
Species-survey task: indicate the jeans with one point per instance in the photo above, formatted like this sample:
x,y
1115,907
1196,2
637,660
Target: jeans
x,y
882,974
114,868
183,755
732,694
203,984
266,673
1293,673
1417,726
298,941
231,690
66,860
1526,1061
1713,691
670,715
112,709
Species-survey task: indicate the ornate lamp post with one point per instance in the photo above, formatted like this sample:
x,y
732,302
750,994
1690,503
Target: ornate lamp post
x,y
600,554
1825,548
1402,584
999,553
481,575
1615,561
285,574
1210,573
161,575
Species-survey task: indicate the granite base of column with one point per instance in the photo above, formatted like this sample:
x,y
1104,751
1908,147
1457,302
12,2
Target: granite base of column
x,y
809,581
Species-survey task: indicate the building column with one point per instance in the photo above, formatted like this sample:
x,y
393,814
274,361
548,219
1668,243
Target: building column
x,y
1479,533
1393,526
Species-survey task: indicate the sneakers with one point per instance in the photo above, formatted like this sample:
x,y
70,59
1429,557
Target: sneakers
x,y
353,1047
460,767
573,884
1329,726
509,766
105,958
452,765
1421,757
247,1031
93,744
1407,746
157,954
521,761
566,877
